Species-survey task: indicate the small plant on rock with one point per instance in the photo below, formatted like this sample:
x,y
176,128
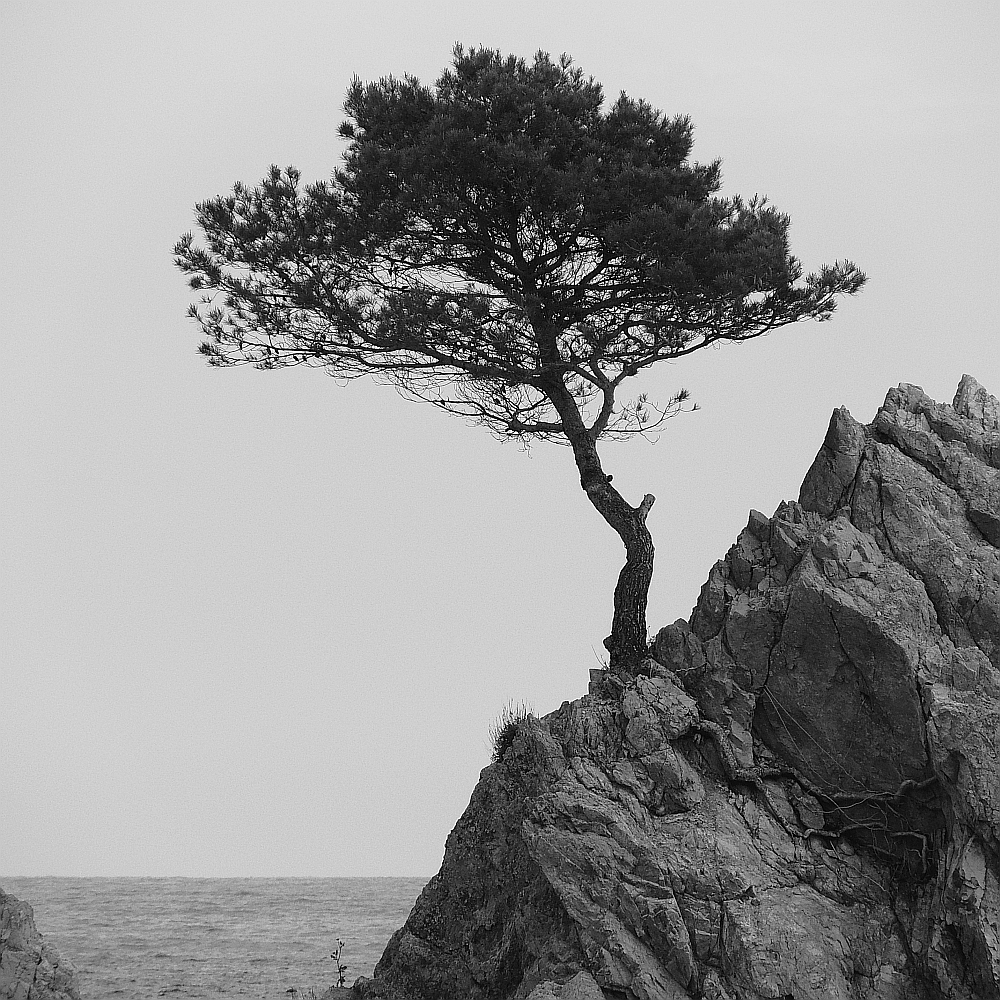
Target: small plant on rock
x,y
341,968
504,730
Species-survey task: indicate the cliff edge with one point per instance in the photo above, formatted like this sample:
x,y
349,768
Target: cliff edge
x,y
30,969
797,797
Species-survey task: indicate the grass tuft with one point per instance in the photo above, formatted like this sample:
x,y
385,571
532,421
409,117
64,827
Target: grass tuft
x,y
505,729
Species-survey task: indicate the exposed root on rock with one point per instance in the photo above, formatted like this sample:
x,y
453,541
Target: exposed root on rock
x,y
758,774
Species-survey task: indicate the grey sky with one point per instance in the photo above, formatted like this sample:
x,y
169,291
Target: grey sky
x,y
256,623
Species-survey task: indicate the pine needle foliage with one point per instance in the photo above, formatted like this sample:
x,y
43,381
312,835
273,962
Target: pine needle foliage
x,y
489,231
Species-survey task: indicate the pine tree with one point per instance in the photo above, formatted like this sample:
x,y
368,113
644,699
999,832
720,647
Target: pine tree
x,y
505,247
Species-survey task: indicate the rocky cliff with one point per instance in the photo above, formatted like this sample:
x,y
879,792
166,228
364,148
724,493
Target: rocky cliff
x,y
797,797
30,969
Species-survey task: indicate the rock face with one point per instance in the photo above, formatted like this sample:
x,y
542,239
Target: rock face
x,y
799,797
30,969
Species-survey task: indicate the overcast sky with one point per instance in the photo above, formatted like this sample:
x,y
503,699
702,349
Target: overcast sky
x,y
257,623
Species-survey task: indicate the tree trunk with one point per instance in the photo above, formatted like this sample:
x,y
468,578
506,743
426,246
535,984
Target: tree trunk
x,y
626,644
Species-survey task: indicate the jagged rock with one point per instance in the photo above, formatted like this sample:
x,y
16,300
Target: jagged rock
x,y
30,969
797,796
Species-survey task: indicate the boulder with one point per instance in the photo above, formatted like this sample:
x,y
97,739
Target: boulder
x,y
30,969
796,796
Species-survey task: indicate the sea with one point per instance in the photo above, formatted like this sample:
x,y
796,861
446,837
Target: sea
x,y
137,938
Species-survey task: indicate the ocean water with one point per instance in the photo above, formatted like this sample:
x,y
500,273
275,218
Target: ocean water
x,y
137,938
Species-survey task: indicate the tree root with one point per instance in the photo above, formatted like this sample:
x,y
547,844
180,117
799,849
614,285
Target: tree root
x,y
757,774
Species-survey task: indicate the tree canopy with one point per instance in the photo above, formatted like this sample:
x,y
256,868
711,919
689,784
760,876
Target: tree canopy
x,y
509,248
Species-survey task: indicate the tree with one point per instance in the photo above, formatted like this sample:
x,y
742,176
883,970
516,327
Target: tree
x,y
503,247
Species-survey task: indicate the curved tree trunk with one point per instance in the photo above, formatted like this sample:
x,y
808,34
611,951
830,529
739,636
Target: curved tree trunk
x,y
626,644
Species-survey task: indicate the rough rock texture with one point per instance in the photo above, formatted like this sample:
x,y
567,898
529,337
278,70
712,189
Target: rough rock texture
x,y
582,986
30,969
799,797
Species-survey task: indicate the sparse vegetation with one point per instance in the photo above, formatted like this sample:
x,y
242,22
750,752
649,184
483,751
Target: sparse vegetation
x,y
341,968
504,731
310,993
